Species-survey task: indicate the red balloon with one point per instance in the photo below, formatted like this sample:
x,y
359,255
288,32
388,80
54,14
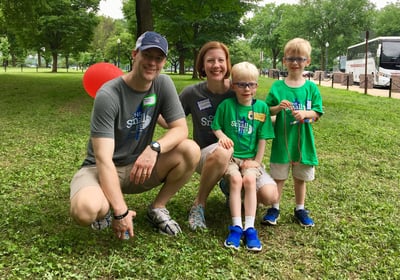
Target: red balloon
x,y
97,74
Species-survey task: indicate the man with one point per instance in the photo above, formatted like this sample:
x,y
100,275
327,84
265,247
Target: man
x,y
123,157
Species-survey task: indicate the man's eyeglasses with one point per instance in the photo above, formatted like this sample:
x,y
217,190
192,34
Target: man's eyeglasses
x,y
245,85
299,60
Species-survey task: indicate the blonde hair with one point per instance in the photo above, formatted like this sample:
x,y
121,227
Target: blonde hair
x,y
244,71
299,46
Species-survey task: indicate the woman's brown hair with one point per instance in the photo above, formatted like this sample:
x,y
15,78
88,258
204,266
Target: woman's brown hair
x,y
204,49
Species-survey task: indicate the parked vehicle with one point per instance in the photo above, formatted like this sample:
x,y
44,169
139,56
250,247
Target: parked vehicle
x,y
383,59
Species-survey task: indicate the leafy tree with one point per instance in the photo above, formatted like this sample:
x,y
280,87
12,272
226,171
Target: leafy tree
x,y
339,23
57,26
388,20
129,11
107,33
124,48
4,50
267,28
241,50
190,24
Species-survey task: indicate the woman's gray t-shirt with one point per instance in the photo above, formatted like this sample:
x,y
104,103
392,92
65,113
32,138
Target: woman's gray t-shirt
x,y
202,104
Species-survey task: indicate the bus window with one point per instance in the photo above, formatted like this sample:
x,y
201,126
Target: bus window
x,y
390,55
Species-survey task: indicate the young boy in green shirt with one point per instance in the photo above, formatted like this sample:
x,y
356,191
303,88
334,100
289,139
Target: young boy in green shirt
x,y
297,103
244,123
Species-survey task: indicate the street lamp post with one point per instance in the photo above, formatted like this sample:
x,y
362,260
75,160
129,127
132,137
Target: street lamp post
x,y
119,44
326,58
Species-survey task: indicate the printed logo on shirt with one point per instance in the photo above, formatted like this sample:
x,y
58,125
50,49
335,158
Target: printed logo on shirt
x,y
139,121
242,126
204,104
207,121
297,105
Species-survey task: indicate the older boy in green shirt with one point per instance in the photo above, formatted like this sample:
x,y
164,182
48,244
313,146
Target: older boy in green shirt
x,y
297,103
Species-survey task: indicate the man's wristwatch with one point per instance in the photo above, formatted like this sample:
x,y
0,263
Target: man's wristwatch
x,y
155,146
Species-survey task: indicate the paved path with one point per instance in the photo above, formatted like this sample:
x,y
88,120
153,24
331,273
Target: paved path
x,y
370,91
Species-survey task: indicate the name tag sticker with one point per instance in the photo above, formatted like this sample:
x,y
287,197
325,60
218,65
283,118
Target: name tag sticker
x,y
150,100
259,117
204,104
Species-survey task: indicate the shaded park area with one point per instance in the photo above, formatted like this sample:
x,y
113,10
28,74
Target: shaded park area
x,y
354,200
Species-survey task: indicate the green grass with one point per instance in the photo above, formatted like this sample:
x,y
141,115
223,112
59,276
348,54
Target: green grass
x,y
354,200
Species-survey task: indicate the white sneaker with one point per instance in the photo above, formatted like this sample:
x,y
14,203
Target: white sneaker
x,y
196,218
102,223
161,219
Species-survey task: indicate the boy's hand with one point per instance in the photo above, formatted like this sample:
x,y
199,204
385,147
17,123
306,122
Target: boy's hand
x,y
249,163
225,142
299,115
285,104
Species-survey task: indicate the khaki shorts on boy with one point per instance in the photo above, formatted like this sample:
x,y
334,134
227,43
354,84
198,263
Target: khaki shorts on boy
x,y
299,171
262,180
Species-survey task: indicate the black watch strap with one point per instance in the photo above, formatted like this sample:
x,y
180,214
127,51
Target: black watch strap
x,y
155,146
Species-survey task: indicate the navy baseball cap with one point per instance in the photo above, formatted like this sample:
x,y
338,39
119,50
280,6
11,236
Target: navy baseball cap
x,y
151,39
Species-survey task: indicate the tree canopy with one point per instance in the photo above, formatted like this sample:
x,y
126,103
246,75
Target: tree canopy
x,y
57,26
72,28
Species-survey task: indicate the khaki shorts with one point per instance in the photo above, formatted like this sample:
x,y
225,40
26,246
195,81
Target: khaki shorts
x,y
234,169
87,176
262,180
299,171
204,154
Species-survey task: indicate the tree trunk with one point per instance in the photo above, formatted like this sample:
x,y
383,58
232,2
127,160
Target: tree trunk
x,y
195,54
55,61
144,16
181,64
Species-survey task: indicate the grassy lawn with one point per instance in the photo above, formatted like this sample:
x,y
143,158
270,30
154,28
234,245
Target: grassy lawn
x,y
355,199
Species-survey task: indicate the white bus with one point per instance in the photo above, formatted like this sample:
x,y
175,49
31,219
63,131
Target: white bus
x,y
383,59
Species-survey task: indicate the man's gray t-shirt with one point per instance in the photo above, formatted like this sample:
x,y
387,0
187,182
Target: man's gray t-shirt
x,y
202,104
129,117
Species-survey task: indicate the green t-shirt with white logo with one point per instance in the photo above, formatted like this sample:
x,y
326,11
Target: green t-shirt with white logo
x,y
244,125
294,142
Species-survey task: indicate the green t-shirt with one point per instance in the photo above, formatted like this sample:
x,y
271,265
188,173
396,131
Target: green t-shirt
x,y
294,142
244,127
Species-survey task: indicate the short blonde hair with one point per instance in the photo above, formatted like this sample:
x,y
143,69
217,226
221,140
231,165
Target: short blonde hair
x,y
299,46
244,71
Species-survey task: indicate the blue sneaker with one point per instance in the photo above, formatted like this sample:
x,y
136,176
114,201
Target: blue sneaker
x,y
234,237
271,217
302,217
224,189
251,240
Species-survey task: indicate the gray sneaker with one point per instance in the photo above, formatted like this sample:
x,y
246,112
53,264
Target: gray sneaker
x,y
161,219
196,218
102,223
